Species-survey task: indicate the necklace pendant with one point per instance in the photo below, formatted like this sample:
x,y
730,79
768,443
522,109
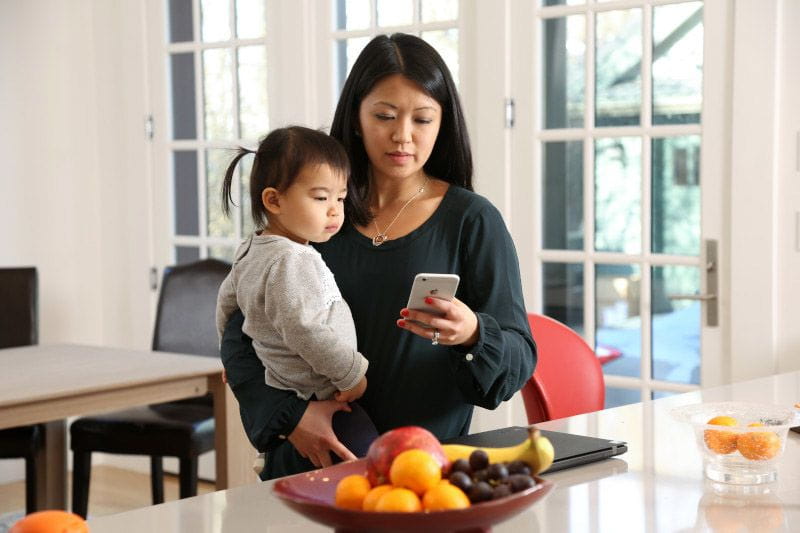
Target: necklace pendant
x,y
379,239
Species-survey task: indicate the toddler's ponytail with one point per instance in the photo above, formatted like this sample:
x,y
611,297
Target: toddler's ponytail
x,y
227,183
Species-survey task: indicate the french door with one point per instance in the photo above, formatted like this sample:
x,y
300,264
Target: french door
x,y
617,145
610,176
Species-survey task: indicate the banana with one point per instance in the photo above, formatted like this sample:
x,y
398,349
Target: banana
x,y
536,450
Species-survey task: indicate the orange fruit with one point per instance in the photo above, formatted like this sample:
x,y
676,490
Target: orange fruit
x,y
398,500
351,491
444,496
722,442
50,521
372,497
758,445
416,470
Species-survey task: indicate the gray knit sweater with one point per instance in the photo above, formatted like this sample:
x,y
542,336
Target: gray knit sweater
x,y
302,329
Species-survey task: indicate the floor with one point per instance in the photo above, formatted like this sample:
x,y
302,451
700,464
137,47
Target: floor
x,y
112,490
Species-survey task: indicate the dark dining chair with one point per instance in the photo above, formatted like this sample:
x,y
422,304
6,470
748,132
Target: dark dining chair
x,y
185,323
19,326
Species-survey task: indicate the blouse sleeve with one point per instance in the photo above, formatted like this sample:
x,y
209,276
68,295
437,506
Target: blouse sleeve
x,y
504,357
268,414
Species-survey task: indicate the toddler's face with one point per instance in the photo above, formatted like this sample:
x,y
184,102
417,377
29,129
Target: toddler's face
x,y
312,209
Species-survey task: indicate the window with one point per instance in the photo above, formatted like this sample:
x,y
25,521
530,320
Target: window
x,y
217,65
620,143
358,21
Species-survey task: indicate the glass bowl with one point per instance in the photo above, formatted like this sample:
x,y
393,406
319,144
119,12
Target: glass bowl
x,y
745,453
312,494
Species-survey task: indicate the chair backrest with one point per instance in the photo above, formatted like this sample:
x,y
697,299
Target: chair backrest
x,y
19,307
568,379
185,319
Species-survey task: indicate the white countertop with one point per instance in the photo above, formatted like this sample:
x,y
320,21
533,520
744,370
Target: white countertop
x,y
658,485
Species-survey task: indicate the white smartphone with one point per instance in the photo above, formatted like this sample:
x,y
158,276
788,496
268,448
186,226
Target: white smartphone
x,y
434,285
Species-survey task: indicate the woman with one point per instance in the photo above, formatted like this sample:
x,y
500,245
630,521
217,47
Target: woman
x,y
400,120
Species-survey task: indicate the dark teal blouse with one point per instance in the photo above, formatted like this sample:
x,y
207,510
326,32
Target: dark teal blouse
x,y
409,381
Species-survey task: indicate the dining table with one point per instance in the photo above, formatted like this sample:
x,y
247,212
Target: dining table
x,y
47,383
657,485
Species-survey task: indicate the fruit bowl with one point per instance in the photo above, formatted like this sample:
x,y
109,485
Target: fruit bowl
x,y
312,495
743,442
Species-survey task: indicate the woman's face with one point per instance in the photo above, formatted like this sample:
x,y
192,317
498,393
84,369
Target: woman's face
x,y
399,124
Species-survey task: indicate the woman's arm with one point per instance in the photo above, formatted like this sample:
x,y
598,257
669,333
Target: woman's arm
x,y
493,353
271,416
267,412
503,358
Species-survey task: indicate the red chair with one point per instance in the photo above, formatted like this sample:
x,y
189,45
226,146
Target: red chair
x,y
568,379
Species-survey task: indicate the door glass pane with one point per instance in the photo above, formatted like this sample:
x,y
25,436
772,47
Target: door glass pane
x,y
253,115
218,94
184,171
446,43
395,12
347,51
438,10
251,20
215,20
562,195
616,396
186,254
564,75
352,14
180,21
676,195
218,224
618,194
562,292
223,253
658,394
677,63
245,164
618,321
618,62
676,324
184,117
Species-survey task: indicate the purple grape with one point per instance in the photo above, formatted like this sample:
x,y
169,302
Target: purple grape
x,y
461,465
501,491
461,480
520,482
480,492
497,472
478,460
519,467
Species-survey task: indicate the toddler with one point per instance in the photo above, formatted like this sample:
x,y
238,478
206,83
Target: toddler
x,y
302,329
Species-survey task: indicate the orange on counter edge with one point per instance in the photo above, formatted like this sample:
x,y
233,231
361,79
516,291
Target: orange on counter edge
x,y
50,522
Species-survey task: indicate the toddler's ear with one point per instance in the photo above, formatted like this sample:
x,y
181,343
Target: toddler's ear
x,y
270,197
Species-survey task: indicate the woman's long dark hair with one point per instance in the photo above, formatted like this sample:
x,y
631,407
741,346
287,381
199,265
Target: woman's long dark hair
x,y
415,59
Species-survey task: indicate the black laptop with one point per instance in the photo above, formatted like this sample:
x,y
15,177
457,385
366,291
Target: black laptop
x,y
570,450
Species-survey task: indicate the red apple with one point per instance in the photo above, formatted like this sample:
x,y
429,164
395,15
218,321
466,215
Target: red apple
x,y
385,448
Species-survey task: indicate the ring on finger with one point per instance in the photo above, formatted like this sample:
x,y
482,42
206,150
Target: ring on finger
x,y
435,339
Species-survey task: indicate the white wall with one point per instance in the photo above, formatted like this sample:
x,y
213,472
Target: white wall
x,y
788,150
765,190
74,185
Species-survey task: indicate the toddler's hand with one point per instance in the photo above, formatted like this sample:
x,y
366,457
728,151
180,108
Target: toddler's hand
x,y
353,394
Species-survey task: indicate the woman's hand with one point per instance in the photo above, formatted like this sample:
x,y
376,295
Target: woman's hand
x,y
313,436
458,325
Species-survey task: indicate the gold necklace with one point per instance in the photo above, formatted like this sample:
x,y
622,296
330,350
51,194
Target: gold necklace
x,y
381,237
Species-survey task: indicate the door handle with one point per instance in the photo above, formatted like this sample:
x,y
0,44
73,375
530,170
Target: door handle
x,y
709,299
